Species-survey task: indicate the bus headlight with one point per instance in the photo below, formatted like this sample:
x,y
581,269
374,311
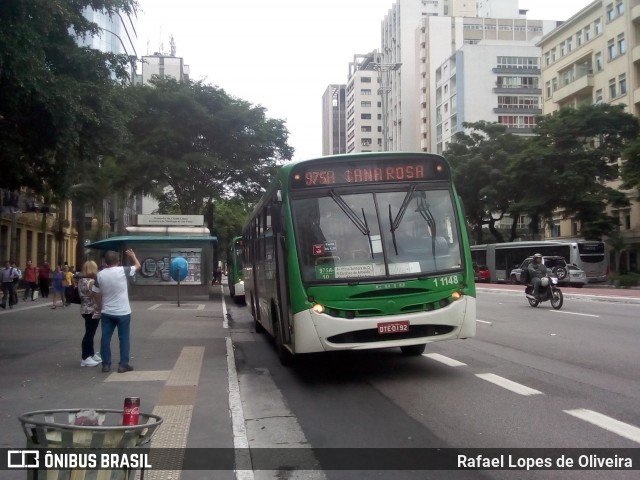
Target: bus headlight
x,y
456,295
241,282
318,308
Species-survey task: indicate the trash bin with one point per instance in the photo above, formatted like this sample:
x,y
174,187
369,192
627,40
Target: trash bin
x,y
51,429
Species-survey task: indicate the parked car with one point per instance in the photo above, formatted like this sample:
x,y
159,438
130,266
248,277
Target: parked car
x,y
577,276
555,264
482,273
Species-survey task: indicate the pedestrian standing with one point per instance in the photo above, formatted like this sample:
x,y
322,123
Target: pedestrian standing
x,y
58,289
88,308
112,301
67,283
8,275
31,279
16,281
44,277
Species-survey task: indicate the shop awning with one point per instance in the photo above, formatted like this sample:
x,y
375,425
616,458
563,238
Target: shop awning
x,y
117,243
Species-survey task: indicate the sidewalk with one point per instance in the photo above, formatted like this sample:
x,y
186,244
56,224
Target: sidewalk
x,y
179,356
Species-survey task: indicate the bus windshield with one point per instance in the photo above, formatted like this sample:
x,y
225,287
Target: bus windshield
x,y
411,232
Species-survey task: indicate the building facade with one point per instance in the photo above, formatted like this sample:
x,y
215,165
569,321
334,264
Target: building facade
x,y
594,57
334,137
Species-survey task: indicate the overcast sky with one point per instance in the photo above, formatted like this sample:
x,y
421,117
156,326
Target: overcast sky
x,y
281,54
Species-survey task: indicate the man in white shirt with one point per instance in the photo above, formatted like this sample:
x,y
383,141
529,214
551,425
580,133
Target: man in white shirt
x,y
112,300
9,276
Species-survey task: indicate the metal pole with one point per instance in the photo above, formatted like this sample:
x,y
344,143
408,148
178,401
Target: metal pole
x,y
179,275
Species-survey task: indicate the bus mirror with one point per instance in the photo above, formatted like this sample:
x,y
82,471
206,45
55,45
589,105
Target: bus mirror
x,y
279,196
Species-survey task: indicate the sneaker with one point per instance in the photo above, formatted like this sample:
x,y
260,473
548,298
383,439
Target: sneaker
x,y
89,362
106,368
125,368
97,357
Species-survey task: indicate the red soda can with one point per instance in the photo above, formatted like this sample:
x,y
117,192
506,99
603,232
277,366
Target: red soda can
x,y
131,412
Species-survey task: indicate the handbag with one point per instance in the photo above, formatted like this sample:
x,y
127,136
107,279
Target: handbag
x,y
74,296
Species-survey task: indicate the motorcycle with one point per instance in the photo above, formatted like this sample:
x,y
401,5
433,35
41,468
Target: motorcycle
x,y
548,291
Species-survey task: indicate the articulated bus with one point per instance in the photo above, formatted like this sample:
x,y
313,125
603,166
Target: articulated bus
x,y
501,258
235,270
360,251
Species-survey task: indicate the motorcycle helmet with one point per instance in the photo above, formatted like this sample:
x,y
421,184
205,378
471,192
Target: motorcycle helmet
x,y
537,255
544,282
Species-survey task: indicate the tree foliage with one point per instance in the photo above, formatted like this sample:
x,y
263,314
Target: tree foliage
x,y
479,160
58,102
191,144
565,168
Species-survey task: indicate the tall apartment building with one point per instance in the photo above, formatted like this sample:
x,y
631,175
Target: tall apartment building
x,y
485,78
400,54
164,66
364,113
334,137
594,57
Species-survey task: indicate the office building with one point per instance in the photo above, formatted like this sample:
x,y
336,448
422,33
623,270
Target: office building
x,y
333,120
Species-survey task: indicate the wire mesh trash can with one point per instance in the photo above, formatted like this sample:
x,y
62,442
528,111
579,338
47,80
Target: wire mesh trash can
x,y
57,429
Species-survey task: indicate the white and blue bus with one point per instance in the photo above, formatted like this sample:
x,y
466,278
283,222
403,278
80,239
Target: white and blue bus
x,y
501,258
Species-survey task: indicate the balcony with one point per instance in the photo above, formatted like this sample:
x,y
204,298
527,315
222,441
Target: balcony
x,y
518,90
580,86
635,54
635,13
636,95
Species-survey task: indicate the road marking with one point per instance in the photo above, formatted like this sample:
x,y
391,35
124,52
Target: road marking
x,y
484,321
244,468
508,384
576,313
442,359
225,320
172,306
616,426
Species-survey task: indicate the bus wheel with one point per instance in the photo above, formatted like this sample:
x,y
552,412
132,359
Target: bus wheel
x,y
284,355
413,350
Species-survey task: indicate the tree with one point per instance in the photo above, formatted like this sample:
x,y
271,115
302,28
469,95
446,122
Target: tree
x,y
567,165
192,143
54,94
480,161
631,166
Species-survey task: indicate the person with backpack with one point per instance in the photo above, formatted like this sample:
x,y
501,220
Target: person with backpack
x,y
9,276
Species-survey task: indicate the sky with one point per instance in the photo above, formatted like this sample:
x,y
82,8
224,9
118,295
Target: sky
x,y
281,54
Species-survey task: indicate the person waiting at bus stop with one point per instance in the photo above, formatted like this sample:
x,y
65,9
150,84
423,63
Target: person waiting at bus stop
x,y
537,270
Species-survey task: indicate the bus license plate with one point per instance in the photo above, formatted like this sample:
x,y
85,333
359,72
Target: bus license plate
x,y
393,327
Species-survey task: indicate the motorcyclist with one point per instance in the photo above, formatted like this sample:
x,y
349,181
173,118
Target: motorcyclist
x,y
537,270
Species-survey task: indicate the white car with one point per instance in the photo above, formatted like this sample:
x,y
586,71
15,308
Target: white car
x,y
577,276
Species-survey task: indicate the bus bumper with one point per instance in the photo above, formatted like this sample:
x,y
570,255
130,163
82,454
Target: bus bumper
x,y
312,330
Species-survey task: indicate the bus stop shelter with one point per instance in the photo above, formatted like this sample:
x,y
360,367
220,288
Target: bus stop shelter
x,y
155,253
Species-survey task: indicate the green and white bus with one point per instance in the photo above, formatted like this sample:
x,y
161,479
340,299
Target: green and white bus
x,y
360,251
235,273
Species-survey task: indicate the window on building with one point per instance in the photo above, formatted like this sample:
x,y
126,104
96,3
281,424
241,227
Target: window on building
x,y
620,7
611,49
612,88
554,83
627,221
599,63
365,116
365,79
562,49
579,38
622,84
569,44
553,55
587,33
547,58
555,230
622,46
365,104
548,90
599,96
365,91
597,26
610,12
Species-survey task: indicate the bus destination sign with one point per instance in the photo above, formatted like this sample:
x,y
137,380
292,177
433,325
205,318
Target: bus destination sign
x,y
350,172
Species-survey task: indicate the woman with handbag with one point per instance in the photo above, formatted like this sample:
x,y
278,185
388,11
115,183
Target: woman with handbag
x,y
88,308
58,288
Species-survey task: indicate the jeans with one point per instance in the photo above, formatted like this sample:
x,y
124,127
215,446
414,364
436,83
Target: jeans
x,y
536,286
109,324
90,327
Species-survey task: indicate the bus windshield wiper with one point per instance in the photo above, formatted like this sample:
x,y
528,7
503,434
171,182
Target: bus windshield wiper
x,y
353,216
425,212
395,223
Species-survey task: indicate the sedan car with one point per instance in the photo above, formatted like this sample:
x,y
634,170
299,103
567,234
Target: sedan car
x,y
482,273
577,276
